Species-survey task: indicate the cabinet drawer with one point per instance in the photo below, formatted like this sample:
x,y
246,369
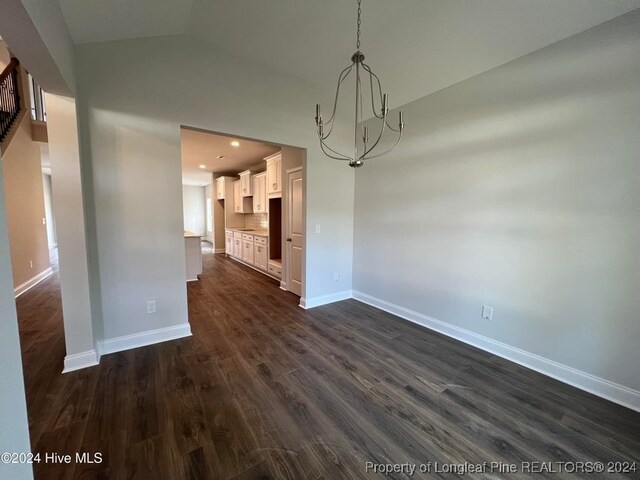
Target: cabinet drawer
x,y
260,240
229,233
247,237
275,271
237,235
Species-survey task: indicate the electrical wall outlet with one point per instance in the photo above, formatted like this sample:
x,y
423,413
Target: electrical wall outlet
x,y
151,307
487,312
30,263
317,228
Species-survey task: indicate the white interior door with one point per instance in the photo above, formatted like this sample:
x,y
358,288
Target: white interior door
x,y
295,229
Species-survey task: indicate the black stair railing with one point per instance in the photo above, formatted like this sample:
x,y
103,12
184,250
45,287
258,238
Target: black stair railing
x,y
9,97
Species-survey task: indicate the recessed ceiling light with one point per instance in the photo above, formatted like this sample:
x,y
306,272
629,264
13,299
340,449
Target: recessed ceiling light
x,y
220,157
235,143
203,166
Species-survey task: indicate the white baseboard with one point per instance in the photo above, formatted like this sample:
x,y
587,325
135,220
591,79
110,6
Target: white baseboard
x,y
219,250
601,387
143,339
80,360
283,285
308,303
20,289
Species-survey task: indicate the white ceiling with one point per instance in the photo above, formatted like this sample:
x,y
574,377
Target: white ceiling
x,y
416,46
203,148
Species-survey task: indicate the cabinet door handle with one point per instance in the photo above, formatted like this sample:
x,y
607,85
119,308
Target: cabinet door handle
x,y
289,240
274,185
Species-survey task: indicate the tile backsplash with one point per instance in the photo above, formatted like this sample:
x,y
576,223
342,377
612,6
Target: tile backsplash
x,y
256,221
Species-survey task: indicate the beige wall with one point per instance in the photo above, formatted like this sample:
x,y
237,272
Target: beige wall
x,y
518,188
25,205
5,56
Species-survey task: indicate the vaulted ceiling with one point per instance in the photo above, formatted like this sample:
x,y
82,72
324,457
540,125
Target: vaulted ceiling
x,y
416,46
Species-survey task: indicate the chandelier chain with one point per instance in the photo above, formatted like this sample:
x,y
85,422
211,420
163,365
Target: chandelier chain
x,y
358,35
364,145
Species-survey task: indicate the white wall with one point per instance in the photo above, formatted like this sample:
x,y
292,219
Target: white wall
x,y
519,189
133,101
24,200
193,209
14,427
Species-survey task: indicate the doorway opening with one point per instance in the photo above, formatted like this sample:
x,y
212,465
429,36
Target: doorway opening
x,y
245,204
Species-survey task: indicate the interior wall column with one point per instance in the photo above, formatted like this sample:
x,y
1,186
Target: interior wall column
x,y
71,234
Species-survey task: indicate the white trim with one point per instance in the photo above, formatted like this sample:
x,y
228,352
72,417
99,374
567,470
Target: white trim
x,y
142,339
80,360
283,285
308,303
601,387
20,289
219,250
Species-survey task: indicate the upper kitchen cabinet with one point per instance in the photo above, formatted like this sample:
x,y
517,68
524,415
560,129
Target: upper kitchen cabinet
x,y
241,204
220,187
245,183
259,186
274,175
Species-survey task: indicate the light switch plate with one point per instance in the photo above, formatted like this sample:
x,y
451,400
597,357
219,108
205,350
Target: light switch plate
x,y
487,312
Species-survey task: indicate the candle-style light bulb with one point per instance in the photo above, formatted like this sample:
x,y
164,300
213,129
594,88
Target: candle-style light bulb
x,y
318,118
365,134
400,120
385,104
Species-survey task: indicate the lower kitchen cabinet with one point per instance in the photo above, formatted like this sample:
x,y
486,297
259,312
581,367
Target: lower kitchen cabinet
x,y
237,245
247,251
228,243
260,256
252,250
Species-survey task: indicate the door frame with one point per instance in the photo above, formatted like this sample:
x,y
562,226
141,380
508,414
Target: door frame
x,y
286,277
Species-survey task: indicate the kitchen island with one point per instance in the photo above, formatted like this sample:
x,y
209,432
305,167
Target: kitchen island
x,y
193,254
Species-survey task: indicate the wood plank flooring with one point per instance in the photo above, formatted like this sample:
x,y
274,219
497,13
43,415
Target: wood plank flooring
x,y
266,390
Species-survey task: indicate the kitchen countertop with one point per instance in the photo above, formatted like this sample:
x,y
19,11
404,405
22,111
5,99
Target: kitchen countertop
x,y
188,234
258,233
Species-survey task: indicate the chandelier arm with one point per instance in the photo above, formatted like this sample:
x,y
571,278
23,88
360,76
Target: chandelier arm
x,y
341,78
366,152
361,116
391,128
371,77
387,151
341,156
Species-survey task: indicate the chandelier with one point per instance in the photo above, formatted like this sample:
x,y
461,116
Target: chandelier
x,y
363,148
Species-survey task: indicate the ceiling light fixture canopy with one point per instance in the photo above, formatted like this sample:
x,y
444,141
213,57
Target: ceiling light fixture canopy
x,y
363,148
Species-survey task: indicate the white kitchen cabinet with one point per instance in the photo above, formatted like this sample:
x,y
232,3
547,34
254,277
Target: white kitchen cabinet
x,y
237,245
274,175
260,253
220,188
245,183
228,244
247,249
274,269
241,204
260,201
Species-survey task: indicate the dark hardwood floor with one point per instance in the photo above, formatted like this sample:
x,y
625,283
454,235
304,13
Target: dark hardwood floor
x,y
265,389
